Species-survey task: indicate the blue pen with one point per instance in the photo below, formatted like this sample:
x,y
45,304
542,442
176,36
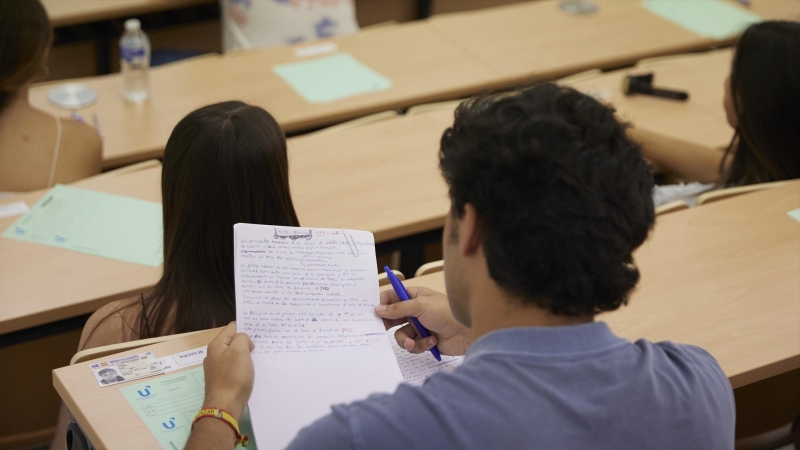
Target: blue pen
x,y
403,294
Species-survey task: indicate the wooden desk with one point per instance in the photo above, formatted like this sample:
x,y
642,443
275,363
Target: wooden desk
x,y
75,12
347,178
537,40
422,65
722,276
103,413
700,121
41,284
338,179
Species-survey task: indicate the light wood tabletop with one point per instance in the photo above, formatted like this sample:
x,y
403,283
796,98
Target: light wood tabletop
x,y
422,65
76,12
699,121
362,178
722,276
41,284
538,40
449,56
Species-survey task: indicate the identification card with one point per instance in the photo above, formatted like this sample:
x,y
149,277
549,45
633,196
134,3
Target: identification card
x,y
125,369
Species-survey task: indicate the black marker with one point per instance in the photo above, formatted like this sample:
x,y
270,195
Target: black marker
x,y
643,84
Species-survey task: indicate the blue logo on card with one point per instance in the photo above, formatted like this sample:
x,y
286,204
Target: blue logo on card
x,y
146,391
18,230
171,423
60,238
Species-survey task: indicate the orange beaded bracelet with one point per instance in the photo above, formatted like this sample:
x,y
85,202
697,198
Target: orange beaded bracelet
x,y
226,417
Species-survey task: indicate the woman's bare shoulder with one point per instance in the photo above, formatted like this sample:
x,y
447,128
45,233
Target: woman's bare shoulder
x,y
82,151
114,323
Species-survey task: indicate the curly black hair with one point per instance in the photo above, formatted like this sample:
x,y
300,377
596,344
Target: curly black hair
x,y
564,195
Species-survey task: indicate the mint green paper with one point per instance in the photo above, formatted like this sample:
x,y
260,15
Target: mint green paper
x,y
709,18
167,405
331,78
97,223
795,214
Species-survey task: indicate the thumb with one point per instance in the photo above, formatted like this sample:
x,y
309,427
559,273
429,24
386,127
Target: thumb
x,y
241,342
400,310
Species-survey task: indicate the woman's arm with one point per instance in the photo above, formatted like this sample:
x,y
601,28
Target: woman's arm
x,y
687,161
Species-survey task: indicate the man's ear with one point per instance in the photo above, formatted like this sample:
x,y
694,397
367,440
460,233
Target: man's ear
x,y
470,231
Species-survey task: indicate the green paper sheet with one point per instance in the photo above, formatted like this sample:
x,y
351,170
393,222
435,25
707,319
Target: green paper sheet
x,y
710,18
331,78
795,214
97,223
167,405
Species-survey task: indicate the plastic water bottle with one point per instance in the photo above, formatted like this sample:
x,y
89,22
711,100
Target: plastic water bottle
x,y
134,51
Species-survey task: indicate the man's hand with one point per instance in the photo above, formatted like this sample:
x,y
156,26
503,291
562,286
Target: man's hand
x,y
229,371
433,312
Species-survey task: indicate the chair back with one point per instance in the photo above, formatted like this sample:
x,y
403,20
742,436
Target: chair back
x,y
722,194
383,279
431,267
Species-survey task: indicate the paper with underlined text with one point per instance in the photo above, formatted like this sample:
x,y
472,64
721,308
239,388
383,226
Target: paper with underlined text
x,y
417,367
306,297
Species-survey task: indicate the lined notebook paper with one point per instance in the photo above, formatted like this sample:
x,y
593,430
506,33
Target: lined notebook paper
x,y
416,368
306,297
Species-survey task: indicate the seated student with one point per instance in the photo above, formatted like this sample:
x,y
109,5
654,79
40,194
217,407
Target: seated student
x,y
762,103
223,164
549,199
252,24
37,149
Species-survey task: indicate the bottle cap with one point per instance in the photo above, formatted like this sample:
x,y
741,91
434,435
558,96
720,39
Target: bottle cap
x,y
133,25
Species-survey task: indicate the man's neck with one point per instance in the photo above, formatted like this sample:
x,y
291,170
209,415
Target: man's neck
x,y
493,309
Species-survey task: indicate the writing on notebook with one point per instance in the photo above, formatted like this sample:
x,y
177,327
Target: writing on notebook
x,y
306,298
309,330
417,367
298,297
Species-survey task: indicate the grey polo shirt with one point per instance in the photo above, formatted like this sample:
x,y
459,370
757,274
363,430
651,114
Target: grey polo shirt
x,y
573,387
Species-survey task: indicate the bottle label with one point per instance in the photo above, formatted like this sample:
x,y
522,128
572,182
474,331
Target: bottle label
x,y
130,54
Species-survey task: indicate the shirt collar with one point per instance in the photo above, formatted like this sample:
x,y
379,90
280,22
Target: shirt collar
x,y
572,339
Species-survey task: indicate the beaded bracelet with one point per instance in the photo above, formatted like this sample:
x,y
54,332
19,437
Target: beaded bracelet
x,y
226,417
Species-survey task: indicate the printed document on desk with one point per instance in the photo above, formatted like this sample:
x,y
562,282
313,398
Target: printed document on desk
x,y
306,297
167,405
96,223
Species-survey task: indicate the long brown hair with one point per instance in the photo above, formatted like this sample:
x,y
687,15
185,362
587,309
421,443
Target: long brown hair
x,y
765,86
25,38
223,164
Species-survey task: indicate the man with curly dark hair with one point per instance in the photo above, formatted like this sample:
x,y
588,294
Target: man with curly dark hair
x,y
549,200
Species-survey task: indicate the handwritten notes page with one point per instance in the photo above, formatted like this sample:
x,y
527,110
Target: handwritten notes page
x,y
416,368
306,298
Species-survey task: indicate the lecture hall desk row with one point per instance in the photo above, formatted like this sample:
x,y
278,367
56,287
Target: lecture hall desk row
x,y
448,56
338,179
722,276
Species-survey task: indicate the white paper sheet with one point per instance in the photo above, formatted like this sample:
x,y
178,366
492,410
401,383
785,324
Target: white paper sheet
x,y
13,209
416,368
306,298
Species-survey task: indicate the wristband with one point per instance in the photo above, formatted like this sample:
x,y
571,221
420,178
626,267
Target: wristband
x,y
226,417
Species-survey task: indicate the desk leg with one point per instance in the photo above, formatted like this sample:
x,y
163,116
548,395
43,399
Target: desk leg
x,y
76,439
103,54
424,9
